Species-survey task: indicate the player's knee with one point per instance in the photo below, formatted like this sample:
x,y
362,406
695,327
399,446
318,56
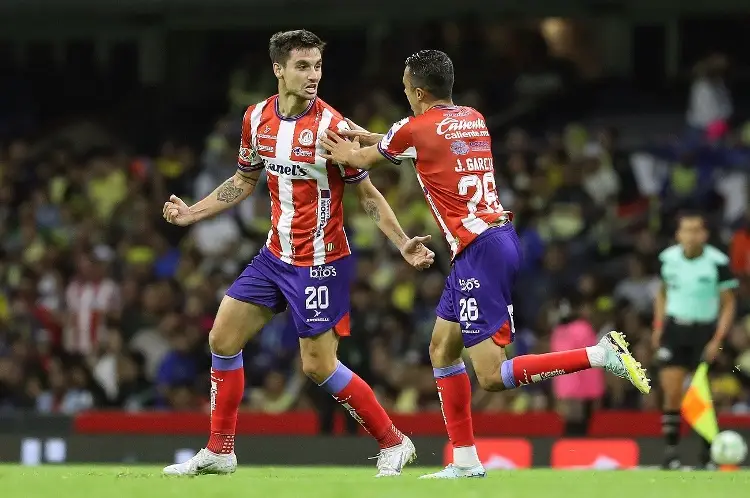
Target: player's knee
x,y
490,380
318,367
441,354
438,354
223,342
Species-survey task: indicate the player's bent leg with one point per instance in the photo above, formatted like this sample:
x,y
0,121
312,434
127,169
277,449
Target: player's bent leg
x,y
495,373
321,365
671,380
454,392
236,323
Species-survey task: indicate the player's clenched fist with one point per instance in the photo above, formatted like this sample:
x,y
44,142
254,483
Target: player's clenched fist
x,y
177,212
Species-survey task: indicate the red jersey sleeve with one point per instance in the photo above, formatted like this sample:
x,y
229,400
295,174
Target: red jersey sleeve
x,y
349,174
248,159
398,143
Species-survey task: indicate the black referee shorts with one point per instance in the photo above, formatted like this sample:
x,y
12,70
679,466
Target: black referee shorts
x,y
682,343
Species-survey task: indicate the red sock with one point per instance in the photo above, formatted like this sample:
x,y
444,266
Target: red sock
x,y
227,388
357,397
533,368
454,392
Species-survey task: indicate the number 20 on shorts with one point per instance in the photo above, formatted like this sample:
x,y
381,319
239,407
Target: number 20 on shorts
x,y
316,298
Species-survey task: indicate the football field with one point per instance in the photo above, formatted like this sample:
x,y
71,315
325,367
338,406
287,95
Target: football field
x,y
348,482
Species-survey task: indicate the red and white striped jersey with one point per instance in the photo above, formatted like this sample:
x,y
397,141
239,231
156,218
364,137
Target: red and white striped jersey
x,y
307,215
451,150
88,304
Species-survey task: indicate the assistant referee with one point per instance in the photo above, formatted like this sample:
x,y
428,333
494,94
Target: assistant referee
x,y
693,313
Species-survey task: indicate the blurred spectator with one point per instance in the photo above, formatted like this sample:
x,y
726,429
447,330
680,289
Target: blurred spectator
x,y
639,288
91,299
710,105
739,249
577,394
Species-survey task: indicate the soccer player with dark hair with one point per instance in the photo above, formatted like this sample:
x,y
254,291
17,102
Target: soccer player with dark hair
x,y
693,312
450,148
306,264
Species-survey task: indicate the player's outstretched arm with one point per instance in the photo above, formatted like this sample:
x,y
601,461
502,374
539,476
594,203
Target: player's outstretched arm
x,y
413,250
348,153
366,138
228,194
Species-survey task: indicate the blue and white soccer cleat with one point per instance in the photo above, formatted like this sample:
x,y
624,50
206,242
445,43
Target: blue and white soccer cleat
x,y
204,462
454,472
620,362
391,460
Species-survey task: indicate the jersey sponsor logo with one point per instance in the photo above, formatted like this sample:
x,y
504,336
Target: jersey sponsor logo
x,y
265,148
468,284
322,272
302,152
452,128
306,137
480,145
460,148
266,137
286,169
325,211
458,114
318,319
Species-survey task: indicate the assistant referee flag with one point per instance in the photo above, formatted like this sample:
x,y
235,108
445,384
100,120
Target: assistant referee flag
x,y
698,406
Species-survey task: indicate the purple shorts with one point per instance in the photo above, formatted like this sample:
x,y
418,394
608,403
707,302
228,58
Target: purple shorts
x,y
318,296
477,293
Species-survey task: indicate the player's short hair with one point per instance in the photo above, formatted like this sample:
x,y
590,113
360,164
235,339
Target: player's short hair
x,y
690,215
432,71
283,43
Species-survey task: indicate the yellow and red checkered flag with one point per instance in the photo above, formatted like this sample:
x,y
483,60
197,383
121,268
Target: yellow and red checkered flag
x,y
698,406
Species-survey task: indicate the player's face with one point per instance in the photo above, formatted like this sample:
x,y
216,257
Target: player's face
x,y
413,95
302,72
692,233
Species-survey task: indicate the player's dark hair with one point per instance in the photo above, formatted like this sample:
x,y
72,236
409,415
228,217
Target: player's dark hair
x,y
282,43
432,71
690,215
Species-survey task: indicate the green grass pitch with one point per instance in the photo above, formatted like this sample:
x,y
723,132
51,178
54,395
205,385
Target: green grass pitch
x,y
348,482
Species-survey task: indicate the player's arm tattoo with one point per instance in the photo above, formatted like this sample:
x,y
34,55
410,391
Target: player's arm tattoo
x,y
228,192
249,179
372,210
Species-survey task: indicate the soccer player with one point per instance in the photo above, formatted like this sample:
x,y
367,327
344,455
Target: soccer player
x,y
693,312
450,148
305,264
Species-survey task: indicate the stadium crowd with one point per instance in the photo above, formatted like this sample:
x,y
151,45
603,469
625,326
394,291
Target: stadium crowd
x,y
103,304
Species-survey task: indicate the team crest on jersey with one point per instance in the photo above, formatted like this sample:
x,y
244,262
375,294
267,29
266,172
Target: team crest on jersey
x,y
460,148
306,137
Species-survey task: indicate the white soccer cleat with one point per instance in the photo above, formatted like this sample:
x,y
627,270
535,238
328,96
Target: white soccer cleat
x,y
204,462
620,362
391,460
454,472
